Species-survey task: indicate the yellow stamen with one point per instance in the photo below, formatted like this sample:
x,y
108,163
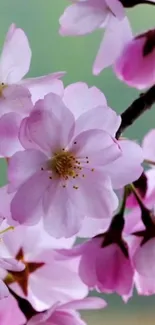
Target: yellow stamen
x,y
7,229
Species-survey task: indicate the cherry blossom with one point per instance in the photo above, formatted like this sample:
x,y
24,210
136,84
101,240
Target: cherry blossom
x,y
41,282
83,17
105,262
17,95
140,72
14,66
65,172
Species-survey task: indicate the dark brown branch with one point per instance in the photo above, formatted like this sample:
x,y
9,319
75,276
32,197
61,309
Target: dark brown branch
x,y
24,305
136,109
132,3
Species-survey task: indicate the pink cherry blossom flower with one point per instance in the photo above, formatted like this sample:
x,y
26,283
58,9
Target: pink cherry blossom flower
x,y
14,66
142,239
60,175
83,17
106,268
47,277
66,314
10,312
140,72
15,93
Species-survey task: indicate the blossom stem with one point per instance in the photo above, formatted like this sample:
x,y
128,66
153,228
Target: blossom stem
x,y
149,162
118,220
136,109
146,213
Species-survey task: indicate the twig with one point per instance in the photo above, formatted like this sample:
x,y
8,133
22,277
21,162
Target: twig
x,y
136,109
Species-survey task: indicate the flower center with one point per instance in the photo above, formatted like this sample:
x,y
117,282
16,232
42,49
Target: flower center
x,y
2,86
63,164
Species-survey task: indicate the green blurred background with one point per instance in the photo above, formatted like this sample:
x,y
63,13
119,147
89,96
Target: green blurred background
x,y
51,52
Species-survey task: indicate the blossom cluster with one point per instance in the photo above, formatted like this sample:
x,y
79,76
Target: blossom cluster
x,y
71,174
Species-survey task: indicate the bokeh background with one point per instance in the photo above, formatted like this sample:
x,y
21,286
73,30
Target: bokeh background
x,y
51,52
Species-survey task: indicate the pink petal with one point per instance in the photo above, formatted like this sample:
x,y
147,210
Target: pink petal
x,y
148,145
82,18
41,86
117,8
94,196
98,145
100,117
9,128
13,65
5,200
116,36
55,105
16,99
41,130
114,270
124,163
26,204
145,285
58,317
87,268
140,72
144,259
22,165
62,219
10,264
92,227
9,307
79,98
86,303
4,292
50,125
53,287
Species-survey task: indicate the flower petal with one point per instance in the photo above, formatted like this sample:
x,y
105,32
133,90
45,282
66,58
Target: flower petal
x,y
50,125
22,165
79,98
15,99
11,264
114,270
82,18
97,145
148,145
26,205
144,259
13,65
116,36
86,303
9,129
41,86
125,163
101,117
94,197
4,292
62,219
117,8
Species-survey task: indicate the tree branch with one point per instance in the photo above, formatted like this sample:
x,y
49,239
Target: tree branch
x,y
136,109
132,3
